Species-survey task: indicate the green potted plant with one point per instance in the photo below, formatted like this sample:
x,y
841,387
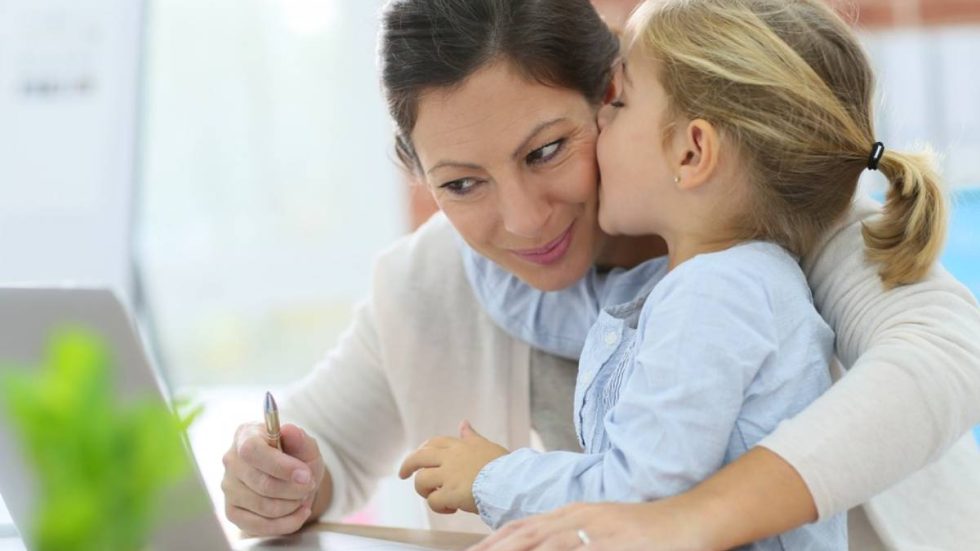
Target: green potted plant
x,y
100,463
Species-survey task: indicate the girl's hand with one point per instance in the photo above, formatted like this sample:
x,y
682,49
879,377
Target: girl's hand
x,y
446,468
606,527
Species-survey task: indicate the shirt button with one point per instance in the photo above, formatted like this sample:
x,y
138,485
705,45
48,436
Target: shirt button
x,y
611,338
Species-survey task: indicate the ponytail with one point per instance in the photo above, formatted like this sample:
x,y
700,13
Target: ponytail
x,y
909,236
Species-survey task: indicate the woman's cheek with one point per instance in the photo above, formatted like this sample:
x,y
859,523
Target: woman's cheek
x,y
471,219
585,175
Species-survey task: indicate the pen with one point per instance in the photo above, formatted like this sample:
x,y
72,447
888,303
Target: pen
x,y
272,421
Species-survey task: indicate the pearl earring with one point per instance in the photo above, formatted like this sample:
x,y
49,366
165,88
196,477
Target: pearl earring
x,y
677,179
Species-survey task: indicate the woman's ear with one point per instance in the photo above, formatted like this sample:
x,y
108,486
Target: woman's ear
x,y
697,149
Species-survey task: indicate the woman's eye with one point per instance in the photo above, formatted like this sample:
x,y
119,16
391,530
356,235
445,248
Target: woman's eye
x,y
546,153
461,186
617,103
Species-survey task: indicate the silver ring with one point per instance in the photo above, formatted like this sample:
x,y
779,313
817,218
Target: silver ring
x,y
584,537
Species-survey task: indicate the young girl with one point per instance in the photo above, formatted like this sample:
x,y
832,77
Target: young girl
x,y
739,136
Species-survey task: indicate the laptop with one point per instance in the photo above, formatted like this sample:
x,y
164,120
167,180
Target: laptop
x,y
28,316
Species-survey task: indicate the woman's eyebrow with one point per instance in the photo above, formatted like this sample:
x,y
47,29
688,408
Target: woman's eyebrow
x,y
534,133
456,164
517,152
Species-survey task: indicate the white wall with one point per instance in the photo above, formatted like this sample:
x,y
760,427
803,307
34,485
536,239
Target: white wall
x,y
68,102
929,92
268,184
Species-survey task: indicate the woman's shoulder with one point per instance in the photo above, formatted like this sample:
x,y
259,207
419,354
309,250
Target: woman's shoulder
x,y
423,269
433,241
843,240
418,259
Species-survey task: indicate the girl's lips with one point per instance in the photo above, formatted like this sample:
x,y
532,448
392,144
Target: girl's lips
x,y
550,253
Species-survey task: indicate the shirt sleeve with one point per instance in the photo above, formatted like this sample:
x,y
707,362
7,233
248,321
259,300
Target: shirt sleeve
x,y
912,356
556,322
701,345
345,399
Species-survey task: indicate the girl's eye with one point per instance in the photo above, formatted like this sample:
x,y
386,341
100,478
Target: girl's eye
x,y
546,153
461,186
618,104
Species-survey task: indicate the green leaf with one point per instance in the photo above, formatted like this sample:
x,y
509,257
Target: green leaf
x,y
101,464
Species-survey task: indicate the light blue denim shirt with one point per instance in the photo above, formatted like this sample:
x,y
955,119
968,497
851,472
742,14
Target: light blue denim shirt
x,y
679,374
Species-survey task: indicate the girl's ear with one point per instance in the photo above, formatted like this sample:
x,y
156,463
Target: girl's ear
x,y
697,150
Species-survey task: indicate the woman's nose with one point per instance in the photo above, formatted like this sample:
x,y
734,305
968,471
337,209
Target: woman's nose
x,y
524,212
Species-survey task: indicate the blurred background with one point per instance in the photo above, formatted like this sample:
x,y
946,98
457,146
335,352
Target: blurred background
x,y
268,183
227,165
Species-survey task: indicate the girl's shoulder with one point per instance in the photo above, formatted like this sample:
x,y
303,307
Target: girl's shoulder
x,y
753,273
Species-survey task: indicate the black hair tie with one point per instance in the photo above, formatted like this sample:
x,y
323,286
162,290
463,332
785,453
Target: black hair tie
x,y
877,152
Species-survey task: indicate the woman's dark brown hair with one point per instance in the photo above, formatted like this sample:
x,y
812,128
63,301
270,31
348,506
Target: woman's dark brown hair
x,y
428,44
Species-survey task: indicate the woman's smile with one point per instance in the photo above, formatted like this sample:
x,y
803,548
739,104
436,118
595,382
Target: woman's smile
x,y
550,253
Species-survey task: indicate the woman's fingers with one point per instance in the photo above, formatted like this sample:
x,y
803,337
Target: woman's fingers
x,y
271,487
607,527
257,525
556,530
239,495
265,469
256,452
514,536
255,500
565,540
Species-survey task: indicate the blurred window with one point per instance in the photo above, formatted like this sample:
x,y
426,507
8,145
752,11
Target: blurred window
x,y
268,183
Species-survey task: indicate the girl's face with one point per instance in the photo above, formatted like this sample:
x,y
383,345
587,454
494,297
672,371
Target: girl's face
x,y
512,165
637,170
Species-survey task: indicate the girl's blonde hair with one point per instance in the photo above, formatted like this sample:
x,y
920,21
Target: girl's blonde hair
x,y
788,84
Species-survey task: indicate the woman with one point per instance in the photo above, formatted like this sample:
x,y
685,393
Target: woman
x,y
495,102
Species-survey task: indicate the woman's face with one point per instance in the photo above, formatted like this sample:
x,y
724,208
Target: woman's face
x,y
512,165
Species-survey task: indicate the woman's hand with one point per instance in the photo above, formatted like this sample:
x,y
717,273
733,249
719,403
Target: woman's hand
x,y
446,468
604,527
270,492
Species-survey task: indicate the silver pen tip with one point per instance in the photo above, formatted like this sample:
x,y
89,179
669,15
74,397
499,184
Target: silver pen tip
x,y
270,403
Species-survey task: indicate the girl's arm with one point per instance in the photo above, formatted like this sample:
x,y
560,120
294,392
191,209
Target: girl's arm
x,y
672,425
